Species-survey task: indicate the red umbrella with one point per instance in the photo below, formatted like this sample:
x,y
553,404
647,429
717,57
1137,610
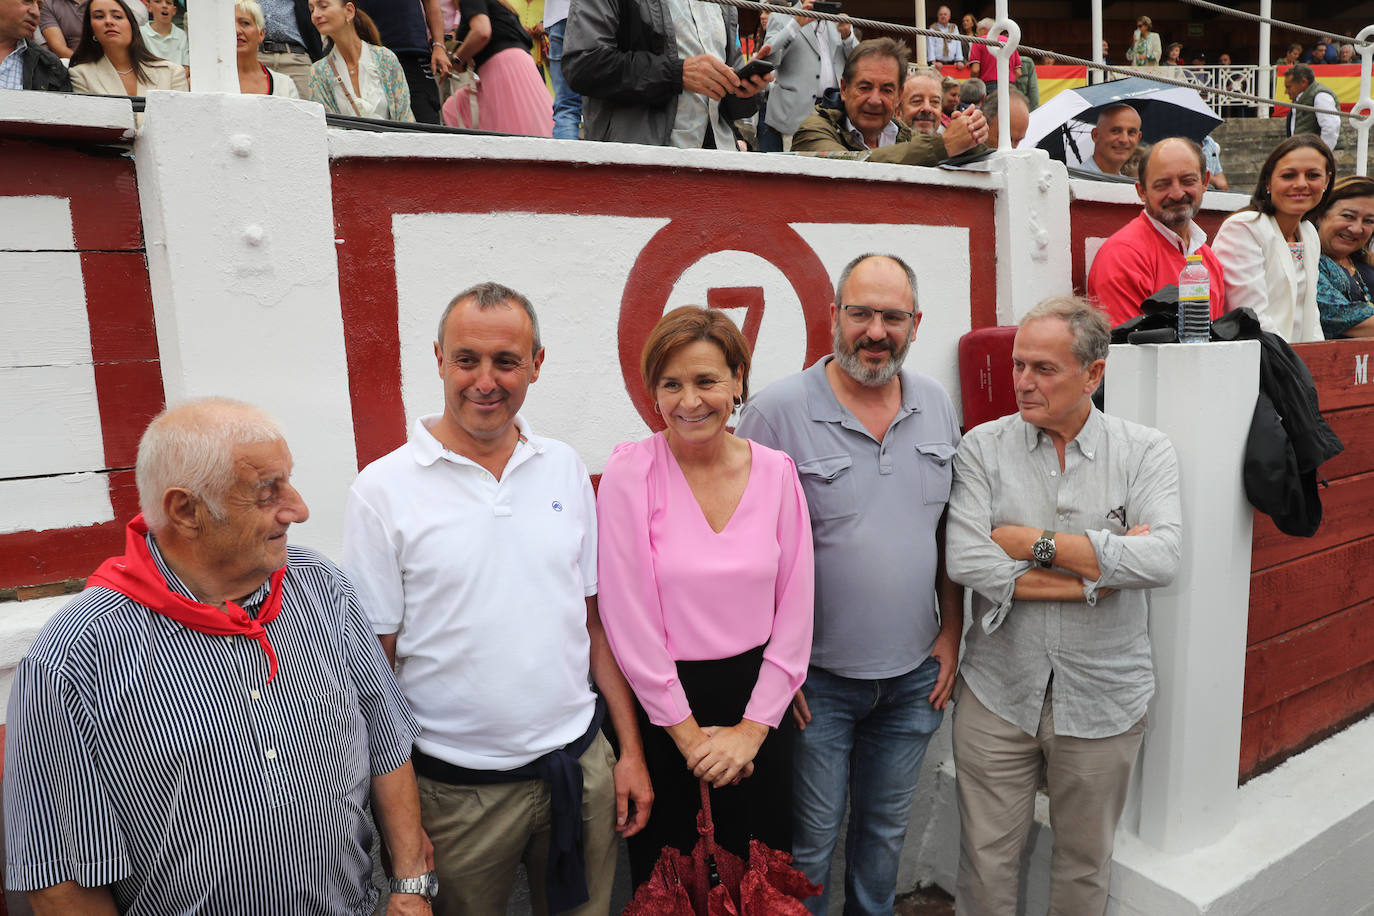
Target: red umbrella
x,y
714,882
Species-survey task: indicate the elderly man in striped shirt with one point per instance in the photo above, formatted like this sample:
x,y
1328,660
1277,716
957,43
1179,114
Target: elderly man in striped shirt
x,y
200,729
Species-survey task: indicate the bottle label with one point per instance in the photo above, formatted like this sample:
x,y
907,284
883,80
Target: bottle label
x,y
1194,292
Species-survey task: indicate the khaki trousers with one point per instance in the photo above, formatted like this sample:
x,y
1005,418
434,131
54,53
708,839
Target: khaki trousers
x,y
998,769
294,65
480,834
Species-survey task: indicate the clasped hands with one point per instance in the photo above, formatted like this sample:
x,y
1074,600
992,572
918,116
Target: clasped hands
x,y
720,754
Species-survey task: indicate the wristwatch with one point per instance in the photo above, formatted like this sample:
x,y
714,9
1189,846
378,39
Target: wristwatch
x,y
426,885
1043,549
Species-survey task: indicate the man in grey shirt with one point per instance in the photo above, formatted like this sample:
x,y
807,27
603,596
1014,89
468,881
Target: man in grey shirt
x,y
1060,518
873,444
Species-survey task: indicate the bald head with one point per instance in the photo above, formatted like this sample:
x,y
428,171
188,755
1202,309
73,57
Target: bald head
x,y
1115,137
1019,106
191,447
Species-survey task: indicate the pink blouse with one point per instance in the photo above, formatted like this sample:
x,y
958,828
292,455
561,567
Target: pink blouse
x,y
672,589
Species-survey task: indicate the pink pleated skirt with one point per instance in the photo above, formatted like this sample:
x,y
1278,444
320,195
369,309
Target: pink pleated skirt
x,y
511,98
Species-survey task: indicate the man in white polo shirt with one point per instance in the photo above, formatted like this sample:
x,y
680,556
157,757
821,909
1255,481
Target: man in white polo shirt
x,y
473,547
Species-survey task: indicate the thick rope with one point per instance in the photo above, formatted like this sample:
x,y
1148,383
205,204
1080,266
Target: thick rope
x,y
1241,14
1057,55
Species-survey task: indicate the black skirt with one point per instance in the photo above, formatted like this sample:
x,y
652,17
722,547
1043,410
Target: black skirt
x,y
759,807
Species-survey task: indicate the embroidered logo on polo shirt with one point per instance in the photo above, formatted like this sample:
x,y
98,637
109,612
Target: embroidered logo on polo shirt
x,y
557,506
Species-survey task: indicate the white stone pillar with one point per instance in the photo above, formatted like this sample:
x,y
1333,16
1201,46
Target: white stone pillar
x,y
1032,220
238,215
214,50
1202,397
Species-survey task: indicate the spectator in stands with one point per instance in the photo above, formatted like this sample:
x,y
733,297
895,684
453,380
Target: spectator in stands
x,y
648,78
869,92
292,42
111,58
972,92
968,25
162,37
1173,55
809,55
356,76
512,96
1105,48
949,101
1345,277
1212,150
1346,55
254,76
982,63
1029,82
25,64
567,104
1302,87
1317,55
1291,57
1020,117
1269,252
1332,50
921,102
60,24
1148,252
413,30
1115,138
947,50
1144,49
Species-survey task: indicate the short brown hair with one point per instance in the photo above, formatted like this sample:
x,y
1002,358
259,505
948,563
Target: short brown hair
x,y
687,325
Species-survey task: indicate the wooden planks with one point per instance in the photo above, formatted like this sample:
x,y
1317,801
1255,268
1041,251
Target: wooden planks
x,y
1310,661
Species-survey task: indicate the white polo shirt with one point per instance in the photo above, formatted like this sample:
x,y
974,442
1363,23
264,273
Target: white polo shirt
x,y
484,583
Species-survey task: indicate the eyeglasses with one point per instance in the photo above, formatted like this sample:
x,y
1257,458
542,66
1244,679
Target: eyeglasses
x,y
862,315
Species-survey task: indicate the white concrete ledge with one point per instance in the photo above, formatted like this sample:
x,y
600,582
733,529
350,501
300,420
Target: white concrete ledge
x,y
64,116
355,144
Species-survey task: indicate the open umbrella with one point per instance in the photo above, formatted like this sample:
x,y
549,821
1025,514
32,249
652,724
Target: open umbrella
x,y
1165,111
714,882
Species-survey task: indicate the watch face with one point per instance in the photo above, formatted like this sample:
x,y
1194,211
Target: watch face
x,y
1043,551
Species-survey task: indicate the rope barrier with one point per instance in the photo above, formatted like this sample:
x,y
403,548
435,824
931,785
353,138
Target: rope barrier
x,y
902,29
1242,14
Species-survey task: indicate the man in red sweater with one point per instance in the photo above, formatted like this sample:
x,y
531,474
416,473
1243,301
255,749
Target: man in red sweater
x,y
1148,252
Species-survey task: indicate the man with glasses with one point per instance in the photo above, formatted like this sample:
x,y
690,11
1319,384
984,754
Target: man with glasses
x,y
873,444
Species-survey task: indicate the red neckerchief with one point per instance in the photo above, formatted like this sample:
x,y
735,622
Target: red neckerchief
x,y
135,575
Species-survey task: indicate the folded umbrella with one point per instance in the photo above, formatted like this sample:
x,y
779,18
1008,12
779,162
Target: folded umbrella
x,y
715,882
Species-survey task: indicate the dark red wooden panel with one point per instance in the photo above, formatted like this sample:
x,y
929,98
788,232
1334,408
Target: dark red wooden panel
x,y
1300,659
38,557
1275,733
1347,515
119,280
1341,369
1296,593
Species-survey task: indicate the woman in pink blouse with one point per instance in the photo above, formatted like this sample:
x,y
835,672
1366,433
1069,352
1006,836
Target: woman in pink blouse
x,y
705,581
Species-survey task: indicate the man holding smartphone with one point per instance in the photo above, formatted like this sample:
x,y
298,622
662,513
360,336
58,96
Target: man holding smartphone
x,y
659,72
810,56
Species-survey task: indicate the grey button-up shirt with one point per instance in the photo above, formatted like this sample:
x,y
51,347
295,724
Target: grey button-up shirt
x,y
1117,475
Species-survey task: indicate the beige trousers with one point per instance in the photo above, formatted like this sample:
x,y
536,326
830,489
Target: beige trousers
x,y
998,768
296,66
480,834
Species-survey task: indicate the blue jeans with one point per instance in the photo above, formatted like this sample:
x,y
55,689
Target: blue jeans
x,y
865,740
567,105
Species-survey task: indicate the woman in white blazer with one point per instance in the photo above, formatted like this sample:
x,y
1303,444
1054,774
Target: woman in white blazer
x,y
112,59
1269,252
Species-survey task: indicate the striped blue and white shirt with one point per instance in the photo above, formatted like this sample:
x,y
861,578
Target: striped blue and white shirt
x,y
12,67
155,759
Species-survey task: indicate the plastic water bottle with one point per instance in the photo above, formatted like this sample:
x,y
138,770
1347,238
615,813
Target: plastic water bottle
x,y
1194,302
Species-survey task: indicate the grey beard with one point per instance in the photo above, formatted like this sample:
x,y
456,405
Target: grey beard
x,y
853,367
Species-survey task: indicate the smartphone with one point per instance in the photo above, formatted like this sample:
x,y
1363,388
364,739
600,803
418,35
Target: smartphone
x,y
827,6
756,67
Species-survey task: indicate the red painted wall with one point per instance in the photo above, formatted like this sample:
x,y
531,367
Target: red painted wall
x,y
709,211
107,225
